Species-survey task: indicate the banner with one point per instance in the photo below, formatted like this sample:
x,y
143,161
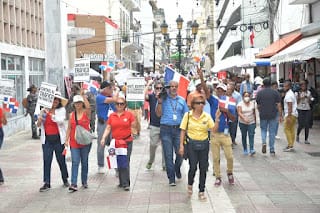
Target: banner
x,y
135,89
7,88
81,70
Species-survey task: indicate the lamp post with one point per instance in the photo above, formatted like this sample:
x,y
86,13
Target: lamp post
x,y
179,40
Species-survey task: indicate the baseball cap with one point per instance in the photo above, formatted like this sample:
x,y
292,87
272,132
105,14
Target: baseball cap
x,y
222,86
105,84
215,80
78,98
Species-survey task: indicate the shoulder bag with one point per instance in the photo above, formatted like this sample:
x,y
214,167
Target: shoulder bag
x,y
186,141
82,136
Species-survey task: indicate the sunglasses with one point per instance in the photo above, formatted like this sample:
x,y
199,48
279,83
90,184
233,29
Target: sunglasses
x,y
200,102
120,103
158,87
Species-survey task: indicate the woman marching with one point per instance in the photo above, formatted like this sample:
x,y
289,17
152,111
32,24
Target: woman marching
x,y
3,121
79,153
196,123
52,125
119,124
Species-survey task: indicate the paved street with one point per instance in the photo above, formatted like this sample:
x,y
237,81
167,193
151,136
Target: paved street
x,y
288,182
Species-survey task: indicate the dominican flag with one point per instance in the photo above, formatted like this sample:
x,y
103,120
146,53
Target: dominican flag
x,y
251,36
117,157
10,104
92,86
228,103
170,74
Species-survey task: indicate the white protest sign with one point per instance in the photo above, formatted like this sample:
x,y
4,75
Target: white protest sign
x,y
7,88
135,89
46,94
81,70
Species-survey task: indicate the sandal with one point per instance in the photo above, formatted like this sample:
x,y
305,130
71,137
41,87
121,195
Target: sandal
x,y
202,197
190,190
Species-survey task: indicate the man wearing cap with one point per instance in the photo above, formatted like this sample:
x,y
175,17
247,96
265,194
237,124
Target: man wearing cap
x,y
171,109
246,85
32,102
105,106
222,137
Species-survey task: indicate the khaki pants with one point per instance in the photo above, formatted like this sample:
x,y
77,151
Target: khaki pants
x,y
137,115
218,140
290,129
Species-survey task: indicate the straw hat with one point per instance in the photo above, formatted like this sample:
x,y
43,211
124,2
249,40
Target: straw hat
x,y
64,101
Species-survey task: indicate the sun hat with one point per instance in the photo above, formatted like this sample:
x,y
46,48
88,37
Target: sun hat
x,y
64,101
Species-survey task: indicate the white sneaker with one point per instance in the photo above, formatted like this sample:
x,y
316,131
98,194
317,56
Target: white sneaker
x,y
277,137
101,170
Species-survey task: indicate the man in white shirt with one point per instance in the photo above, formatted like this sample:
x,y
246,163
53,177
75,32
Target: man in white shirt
x,y
290,115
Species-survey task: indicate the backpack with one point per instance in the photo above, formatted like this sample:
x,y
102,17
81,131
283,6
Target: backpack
x,y
25,103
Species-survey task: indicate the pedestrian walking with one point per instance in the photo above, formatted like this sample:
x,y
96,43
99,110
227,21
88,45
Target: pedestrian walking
x,y
53,128
247,122
269,104
135,108
3,121
290,115
274,86
171,108
105,106
196,124
246,85
92,101
32,99
119,125
154,126
233,125
79,153
304,100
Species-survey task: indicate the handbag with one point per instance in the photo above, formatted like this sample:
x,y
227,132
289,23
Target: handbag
x,y
197,145
82,136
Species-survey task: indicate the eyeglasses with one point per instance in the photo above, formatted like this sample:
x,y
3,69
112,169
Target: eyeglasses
x,y
158,87
200,102
120,103
173,86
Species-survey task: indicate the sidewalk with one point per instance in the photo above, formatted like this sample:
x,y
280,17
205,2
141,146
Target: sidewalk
x,y
285,183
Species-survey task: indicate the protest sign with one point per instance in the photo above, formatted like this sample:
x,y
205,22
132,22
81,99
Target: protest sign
x,y
46,94
7,88
135,89
81,70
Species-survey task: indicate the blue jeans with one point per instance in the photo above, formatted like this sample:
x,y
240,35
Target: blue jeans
x,y
265,126
48,148
247,129
100,148
77,155
277,126
170,138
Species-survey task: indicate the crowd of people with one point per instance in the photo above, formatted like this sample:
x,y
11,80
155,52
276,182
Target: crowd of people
x,y
207,119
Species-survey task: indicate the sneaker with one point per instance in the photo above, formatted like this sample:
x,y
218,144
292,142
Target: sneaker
x,y
1,182
264,148
272,154
277,137
217,182
252,152
245,152
85,185
73,188
45,187
100,170
148,166
66,184
307,142
172,183
35,137
288,149
231,179
126,188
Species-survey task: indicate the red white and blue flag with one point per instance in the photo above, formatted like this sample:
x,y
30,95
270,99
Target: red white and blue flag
x,y
251,36
10,104
92,86
171,74
117,157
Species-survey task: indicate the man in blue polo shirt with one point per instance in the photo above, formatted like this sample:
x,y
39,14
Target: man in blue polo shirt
x,y
222,137
171,110
105,106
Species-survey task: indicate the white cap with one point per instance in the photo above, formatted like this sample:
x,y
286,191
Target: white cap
x,y
222,86
215,80
78,98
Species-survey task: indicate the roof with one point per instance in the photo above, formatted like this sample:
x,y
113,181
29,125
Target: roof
x,y
279,45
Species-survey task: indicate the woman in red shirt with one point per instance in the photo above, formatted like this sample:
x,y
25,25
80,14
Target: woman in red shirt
x,y
119,124
79,153
3,121
52,125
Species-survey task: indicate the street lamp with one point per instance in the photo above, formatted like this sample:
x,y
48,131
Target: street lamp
x,y
179,39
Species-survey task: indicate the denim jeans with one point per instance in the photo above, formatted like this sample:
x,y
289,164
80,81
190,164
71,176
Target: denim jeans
x,y
198,157
100,148
48,148
33,125
277,126
77,155
170,138
124,173
265,126
247,129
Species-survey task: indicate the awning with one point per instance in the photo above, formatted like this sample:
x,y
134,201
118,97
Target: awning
x,y
304,49
279,45
262,62
230,62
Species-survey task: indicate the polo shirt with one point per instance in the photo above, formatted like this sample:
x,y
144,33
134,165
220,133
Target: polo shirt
x,y
121,125
103,108
173,107
197,127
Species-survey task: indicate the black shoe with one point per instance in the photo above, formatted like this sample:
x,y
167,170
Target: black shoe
x,y
1,182
66,183
45,187
178,174
85,185
126,188
35,137
73,188
264,148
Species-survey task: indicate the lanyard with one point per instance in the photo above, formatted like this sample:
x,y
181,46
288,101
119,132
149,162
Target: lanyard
x,y
174,108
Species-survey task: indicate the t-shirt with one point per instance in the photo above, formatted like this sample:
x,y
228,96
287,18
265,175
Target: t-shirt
x,y
248,112
121,125
267,99
304,102
154,119
287,99
50,127
103,108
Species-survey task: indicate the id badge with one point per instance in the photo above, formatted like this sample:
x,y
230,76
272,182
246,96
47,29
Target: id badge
x,y
174,117
226,131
